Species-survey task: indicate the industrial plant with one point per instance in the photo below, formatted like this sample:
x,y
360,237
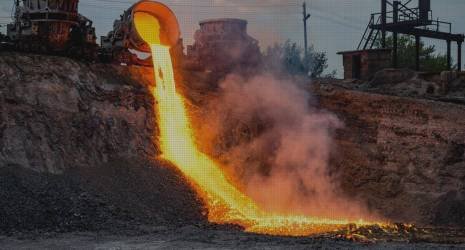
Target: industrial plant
x,y
51,26
56,27
138,140
398,17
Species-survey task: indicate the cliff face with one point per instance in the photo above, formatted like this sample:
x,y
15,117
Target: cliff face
x,y
404,157
77,151
57,114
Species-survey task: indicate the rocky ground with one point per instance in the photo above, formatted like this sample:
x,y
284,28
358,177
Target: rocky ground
x,y
77,155
195,237
403,155
77,151
444,87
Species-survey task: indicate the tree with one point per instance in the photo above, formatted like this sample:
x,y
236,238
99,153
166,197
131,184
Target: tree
x,y
429,59
289,58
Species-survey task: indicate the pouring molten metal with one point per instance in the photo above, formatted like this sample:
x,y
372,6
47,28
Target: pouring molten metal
x,y
225,202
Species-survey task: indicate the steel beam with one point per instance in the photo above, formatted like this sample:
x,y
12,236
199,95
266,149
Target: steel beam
x,y
424,33
383,22
459,56
449,61
417,53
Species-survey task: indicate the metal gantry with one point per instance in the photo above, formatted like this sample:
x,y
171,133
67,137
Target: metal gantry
x,y
398,17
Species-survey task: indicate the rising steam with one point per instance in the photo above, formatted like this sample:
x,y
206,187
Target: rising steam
x,y
276,146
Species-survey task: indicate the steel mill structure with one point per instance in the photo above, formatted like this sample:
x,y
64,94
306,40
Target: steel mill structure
x,y
51,26
418,22
398,17
222,44
56,27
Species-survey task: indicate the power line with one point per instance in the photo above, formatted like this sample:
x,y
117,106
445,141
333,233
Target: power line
x,y
118,5
206,5
128,4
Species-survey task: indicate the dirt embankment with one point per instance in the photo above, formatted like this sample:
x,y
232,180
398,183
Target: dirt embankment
x,y
77,151
404,157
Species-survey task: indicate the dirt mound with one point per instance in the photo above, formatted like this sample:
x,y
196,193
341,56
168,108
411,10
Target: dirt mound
x,y
153,194
117,197
30,201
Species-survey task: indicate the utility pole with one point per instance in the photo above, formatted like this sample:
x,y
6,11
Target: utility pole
x,y
383,22
306,17
17,7
17,23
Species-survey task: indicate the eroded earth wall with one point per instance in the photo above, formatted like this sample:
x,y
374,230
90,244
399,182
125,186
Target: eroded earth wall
x,y
77,149
404,157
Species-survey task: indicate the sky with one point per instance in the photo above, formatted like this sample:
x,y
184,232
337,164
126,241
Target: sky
x,y
335,25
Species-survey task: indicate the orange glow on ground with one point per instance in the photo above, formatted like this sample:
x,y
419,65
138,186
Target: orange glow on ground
x,y
226,204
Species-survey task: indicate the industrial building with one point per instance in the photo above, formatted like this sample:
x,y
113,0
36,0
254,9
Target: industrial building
x,y
398,17
51,26
221,44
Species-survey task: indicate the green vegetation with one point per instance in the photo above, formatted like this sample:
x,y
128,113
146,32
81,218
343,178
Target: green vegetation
x,y
429,59
289,58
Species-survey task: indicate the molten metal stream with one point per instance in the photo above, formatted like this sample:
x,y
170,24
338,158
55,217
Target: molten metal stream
x,y
226,204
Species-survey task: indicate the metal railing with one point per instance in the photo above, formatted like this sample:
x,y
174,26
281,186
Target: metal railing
x,y
412,15
367,35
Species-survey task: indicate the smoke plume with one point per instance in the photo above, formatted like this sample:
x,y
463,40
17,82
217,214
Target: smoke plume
x,y
276,145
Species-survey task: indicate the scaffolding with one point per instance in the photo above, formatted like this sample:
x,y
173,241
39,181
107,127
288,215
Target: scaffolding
x,y
398,17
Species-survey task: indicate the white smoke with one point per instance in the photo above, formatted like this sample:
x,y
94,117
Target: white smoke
x,y
276,145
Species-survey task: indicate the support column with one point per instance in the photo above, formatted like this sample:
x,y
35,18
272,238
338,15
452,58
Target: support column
x,y
383,22
17,23
417,53
395,35
459,56
449,60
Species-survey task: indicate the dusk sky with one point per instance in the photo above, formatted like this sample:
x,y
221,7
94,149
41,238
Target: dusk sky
x,y
335,25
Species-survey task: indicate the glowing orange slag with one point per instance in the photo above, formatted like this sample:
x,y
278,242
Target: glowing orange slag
x,y
225,203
